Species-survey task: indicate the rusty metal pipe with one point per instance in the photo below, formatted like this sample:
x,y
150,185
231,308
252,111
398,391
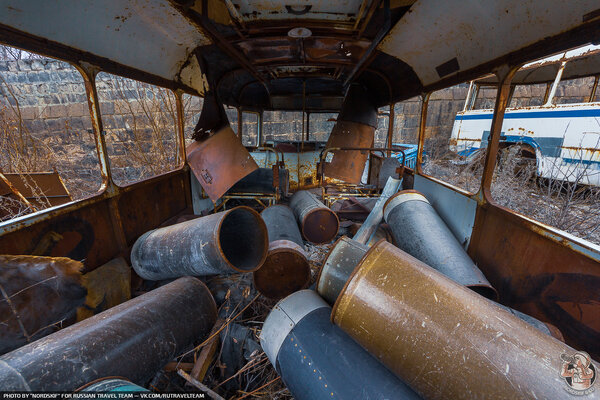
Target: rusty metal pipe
x,y
286,268
318,223
343,257
421,232
317,360
222,243
132,340
447,341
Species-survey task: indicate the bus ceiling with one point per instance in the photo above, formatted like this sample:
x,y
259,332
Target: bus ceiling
x,y
272,55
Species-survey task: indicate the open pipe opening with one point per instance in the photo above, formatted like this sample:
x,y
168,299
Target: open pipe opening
x,y
243,239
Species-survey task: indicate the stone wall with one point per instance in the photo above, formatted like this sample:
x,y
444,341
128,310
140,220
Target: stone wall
x,y
44,108
45,123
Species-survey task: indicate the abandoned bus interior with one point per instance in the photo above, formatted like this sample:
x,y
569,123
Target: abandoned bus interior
x,y
358,199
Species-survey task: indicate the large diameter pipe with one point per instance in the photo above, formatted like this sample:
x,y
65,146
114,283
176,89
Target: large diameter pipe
x,y
318,223
446,340
346,254
420,231
286,268
343,257
222,243
132,340
317,360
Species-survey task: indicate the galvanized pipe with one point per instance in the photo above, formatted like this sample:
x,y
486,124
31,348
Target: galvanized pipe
x,y
132,340
318,223
222,243
343,257
317,360
369,227
286,268
447,341
419,231
108,385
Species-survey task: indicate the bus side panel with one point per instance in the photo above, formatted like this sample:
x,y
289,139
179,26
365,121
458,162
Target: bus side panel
x,y
541,272
93,230
85,234
148,206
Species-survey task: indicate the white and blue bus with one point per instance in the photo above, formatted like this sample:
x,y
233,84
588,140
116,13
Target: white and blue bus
x,y
563,138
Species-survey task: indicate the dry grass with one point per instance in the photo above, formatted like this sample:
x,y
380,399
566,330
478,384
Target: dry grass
x,y
569,206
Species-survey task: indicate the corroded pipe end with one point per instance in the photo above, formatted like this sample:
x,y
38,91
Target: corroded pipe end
x,y
320,225
284,317
486,290
285,270
401,197
339,264
242,239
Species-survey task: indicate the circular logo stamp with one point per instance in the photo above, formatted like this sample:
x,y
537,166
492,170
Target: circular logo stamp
x,y
579,373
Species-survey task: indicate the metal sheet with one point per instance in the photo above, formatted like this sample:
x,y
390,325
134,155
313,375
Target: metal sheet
x,y
540,273
399,309
468,35
348,165
219,162
145,34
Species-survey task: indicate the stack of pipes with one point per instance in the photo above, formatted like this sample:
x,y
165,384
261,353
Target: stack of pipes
x,y
422,309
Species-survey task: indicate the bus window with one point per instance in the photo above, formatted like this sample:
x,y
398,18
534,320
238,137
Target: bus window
x,y
548,165
528,95
321,125
573,91
250,129
383,123
139,122
282,126
232,116
455,140
407,115
486,97
49,154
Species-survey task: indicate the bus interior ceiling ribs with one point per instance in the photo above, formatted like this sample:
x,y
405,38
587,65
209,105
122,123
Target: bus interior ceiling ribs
x,y
260,56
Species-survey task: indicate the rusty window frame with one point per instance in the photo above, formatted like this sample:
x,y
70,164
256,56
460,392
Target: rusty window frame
x,y
483,195
86,74
178,129
108,189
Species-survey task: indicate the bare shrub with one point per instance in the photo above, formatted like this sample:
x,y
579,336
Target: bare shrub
x,y
142,130
570,205
463,172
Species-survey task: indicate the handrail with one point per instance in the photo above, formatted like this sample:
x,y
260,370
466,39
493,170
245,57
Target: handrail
x,y
273,150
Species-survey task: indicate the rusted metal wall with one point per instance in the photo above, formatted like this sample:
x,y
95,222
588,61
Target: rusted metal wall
x,y
538,275
91,230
